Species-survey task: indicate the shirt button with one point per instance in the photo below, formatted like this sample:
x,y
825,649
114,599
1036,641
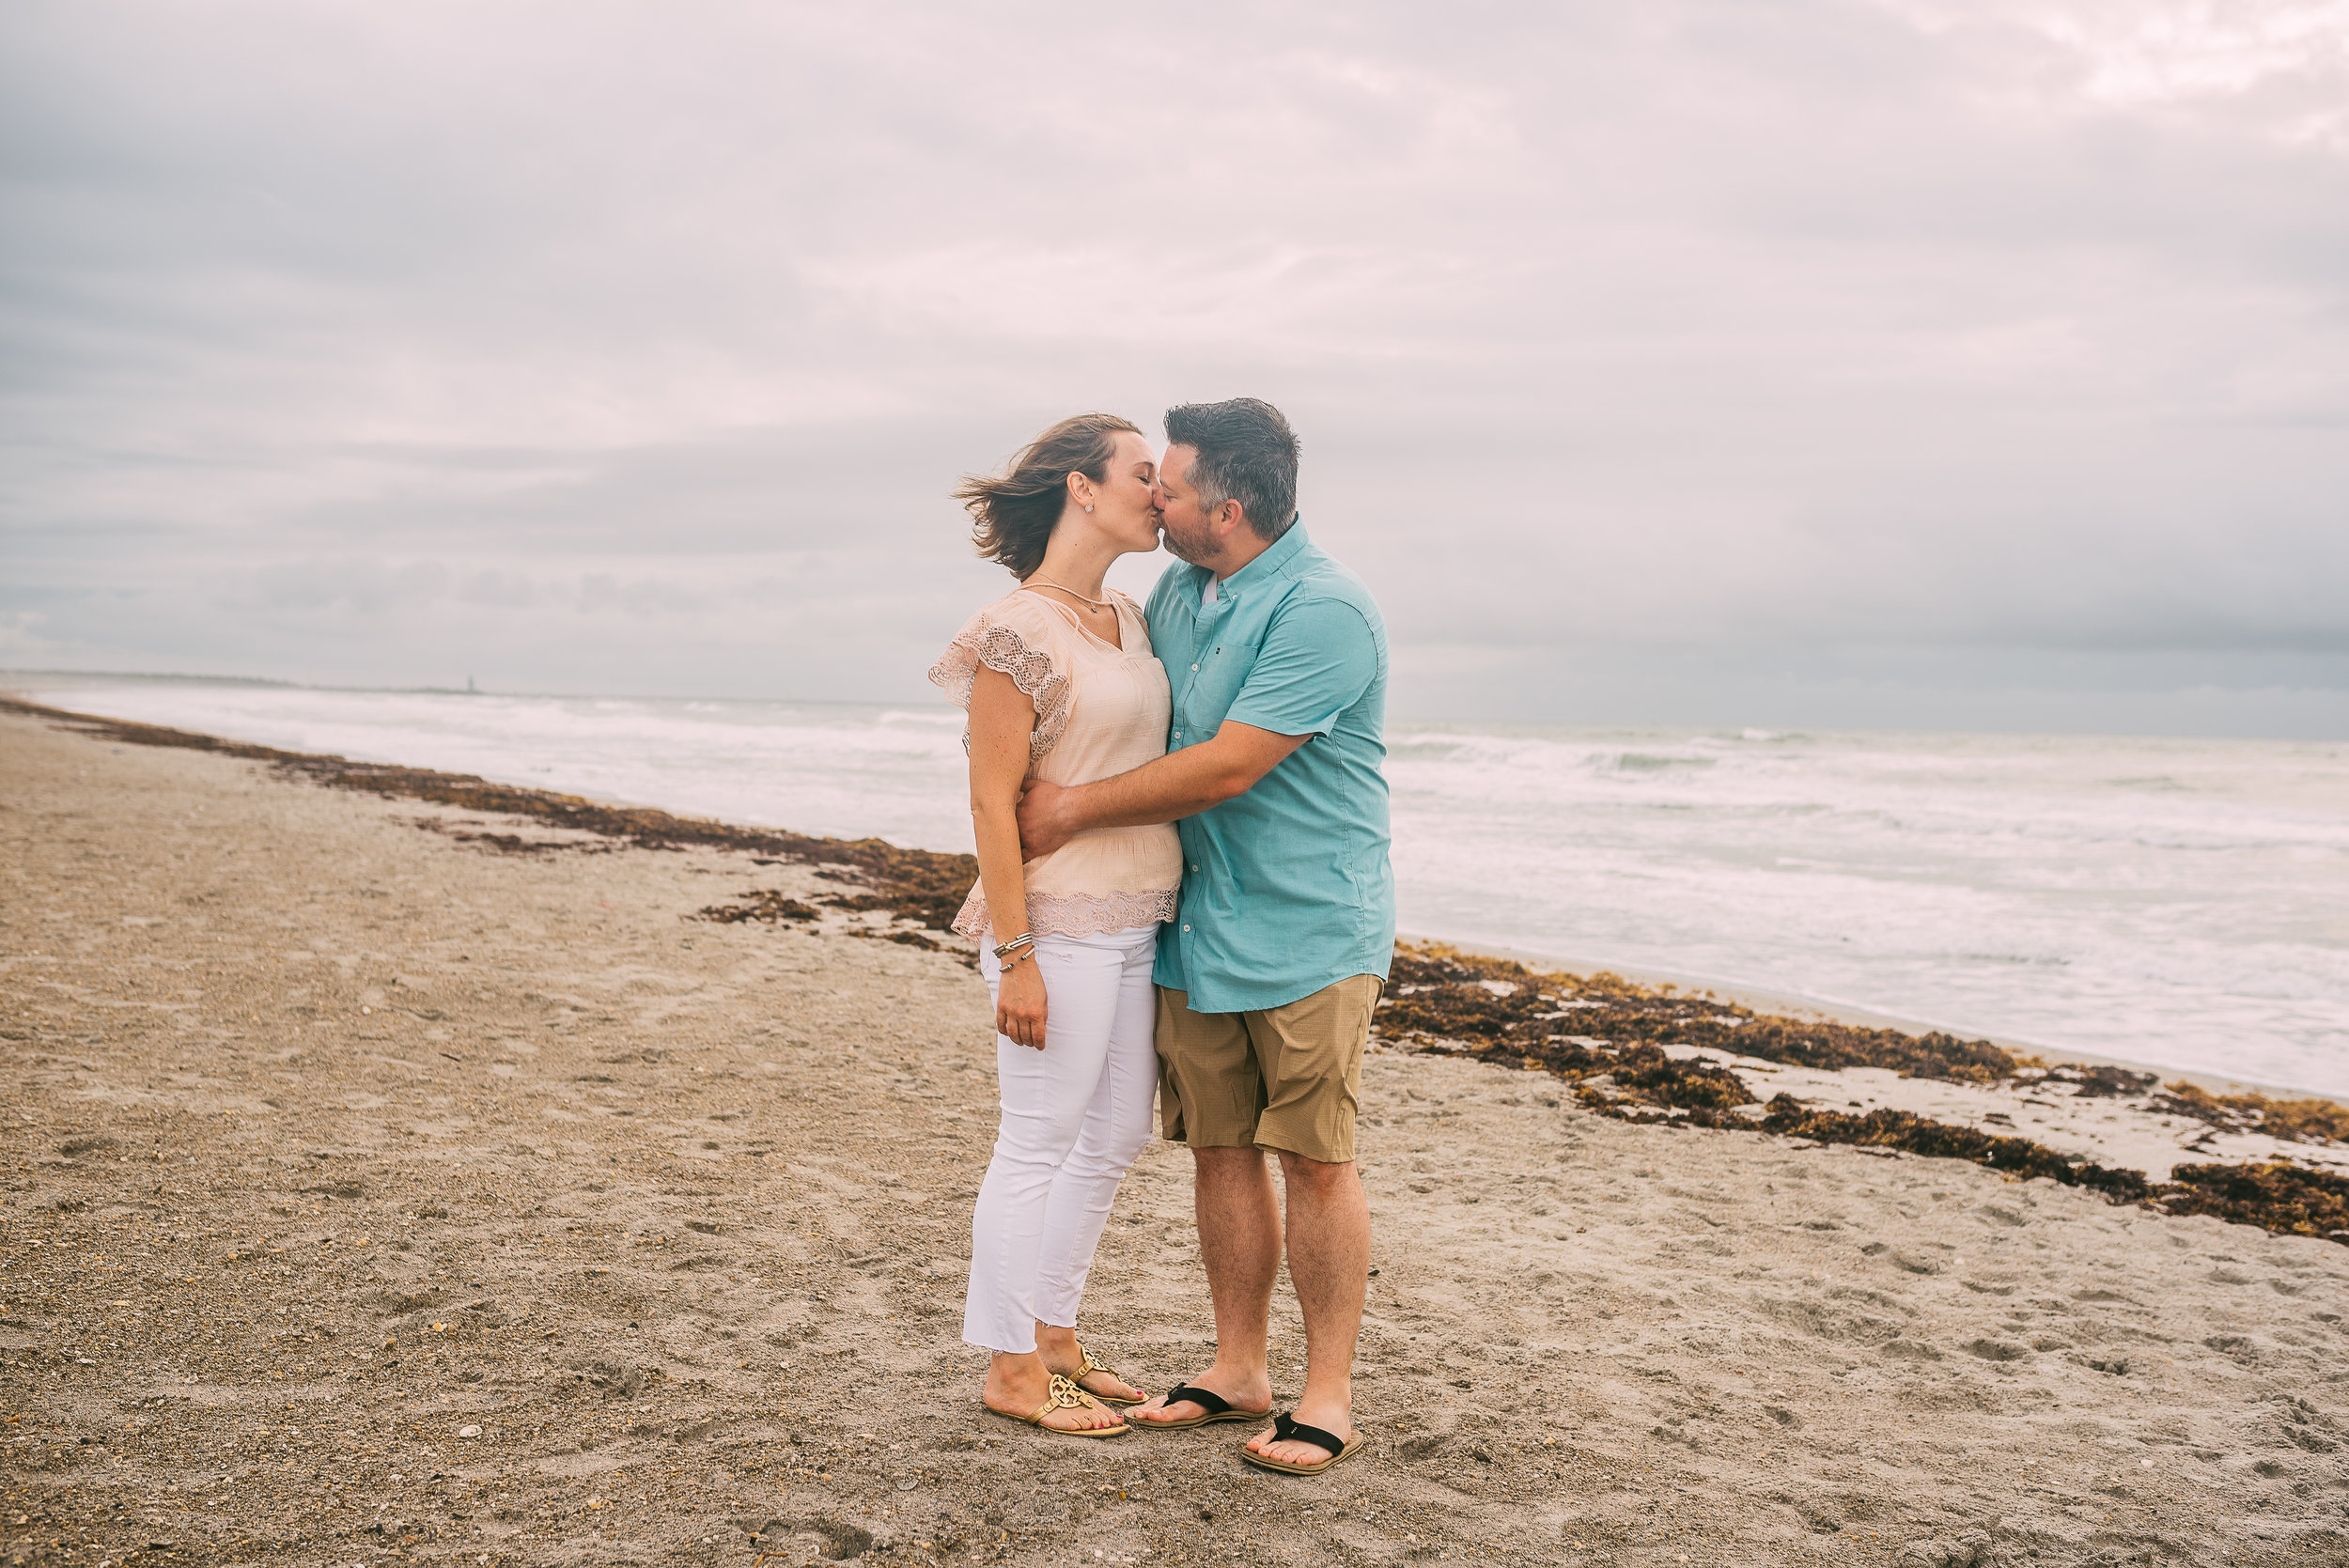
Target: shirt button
x,y
1194,666
1194,868
1186,927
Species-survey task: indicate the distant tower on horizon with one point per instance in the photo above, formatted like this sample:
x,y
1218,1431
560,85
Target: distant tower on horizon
x,y
470,688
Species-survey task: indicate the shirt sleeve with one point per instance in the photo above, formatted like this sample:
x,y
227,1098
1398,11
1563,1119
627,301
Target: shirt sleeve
x,y
1018,637
1316,661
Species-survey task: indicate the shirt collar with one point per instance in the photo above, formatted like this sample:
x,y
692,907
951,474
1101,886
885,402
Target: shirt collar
x,y
1275,559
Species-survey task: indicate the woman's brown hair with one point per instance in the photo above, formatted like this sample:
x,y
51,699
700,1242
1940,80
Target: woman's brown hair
x,y
1013,515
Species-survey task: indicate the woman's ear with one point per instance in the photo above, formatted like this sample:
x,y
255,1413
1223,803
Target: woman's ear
x,y
1081,489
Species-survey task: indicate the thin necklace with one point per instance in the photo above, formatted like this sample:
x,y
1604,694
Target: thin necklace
x,y
1096,603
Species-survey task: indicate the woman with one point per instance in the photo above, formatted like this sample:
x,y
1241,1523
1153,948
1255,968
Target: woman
x,y
1061,684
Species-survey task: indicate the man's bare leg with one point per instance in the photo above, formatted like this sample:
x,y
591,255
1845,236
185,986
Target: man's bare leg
x,y
1330,1268
1239,1242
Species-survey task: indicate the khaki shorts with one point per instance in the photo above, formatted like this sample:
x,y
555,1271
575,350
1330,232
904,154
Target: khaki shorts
x,y
1288,1078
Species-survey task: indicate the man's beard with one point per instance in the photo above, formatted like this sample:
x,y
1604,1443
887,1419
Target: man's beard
x,y
1197,549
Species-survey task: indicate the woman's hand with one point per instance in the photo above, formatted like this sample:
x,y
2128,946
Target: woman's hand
x,y
1020,1004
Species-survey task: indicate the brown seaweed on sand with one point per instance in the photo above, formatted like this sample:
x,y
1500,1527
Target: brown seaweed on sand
x,y
766,906
2275,1195
1884,1128
1607,1038
1441,993
514,844
2291,1121
921,885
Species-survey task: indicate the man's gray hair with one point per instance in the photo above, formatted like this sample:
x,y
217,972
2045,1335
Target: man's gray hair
x,y
1246,453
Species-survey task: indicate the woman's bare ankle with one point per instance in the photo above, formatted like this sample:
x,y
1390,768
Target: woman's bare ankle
x,y
1011,1374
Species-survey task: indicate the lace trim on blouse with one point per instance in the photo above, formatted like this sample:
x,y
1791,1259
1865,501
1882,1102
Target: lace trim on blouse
x,y
1075,914
1000,649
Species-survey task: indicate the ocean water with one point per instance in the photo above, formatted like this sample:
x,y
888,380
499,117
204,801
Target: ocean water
x,y
2181,903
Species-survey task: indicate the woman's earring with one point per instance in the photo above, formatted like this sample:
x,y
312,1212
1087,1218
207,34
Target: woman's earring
x,y
1088,508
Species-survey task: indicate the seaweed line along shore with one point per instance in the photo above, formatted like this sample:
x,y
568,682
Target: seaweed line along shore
x,y
1645,1053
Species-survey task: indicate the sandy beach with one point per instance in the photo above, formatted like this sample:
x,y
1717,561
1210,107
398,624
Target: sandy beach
x,y
391,1183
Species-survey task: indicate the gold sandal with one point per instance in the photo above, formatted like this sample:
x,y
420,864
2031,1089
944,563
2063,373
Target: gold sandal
x,y
1090,1365
1065,1396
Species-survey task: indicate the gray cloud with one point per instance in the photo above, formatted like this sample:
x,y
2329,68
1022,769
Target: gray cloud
x,y
1807,360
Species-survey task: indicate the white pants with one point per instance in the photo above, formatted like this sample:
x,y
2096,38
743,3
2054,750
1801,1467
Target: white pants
x,y
1075,1115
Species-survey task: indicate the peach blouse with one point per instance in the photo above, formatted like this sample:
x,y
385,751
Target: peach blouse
x,y
1099,711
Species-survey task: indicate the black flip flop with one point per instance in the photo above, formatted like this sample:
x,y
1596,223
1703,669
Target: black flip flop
x,y
1286,1428
1218,1408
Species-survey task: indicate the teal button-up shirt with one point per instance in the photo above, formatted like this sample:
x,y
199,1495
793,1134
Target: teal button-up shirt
x,y
1286,889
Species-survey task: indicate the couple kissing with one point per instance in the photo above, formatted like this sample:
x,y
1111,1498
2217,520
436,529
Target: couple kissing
x,y
1183,894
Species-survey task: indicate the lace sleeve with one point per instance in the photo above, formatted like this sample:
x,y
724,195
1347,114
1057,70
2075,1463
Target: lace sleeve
x,y
991,638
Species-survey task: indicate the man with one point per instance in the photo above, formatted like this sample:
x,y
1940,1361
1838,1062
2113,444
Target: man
x,y
1278,659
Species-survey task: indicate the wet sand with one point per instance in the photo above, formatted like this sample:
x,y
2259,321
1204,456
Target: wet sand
x,y
374,1195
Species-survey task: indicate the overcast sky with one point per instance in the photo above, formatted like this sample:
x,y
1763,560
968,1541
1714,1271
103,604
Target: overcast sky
x,y
1922,363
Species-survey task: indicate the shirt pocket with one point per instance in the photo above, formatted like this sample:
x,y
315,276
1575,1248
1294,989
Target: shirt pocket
x,y
1225,661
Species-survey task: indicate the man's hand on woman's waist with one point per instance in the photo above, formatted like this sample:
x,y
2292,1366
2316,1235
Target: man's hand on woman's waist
x,y
1178,784
1047,817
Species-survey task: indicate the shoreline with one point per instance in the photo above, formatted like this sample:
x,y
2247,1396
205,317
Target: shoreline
x,y
2141,1126
492,795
